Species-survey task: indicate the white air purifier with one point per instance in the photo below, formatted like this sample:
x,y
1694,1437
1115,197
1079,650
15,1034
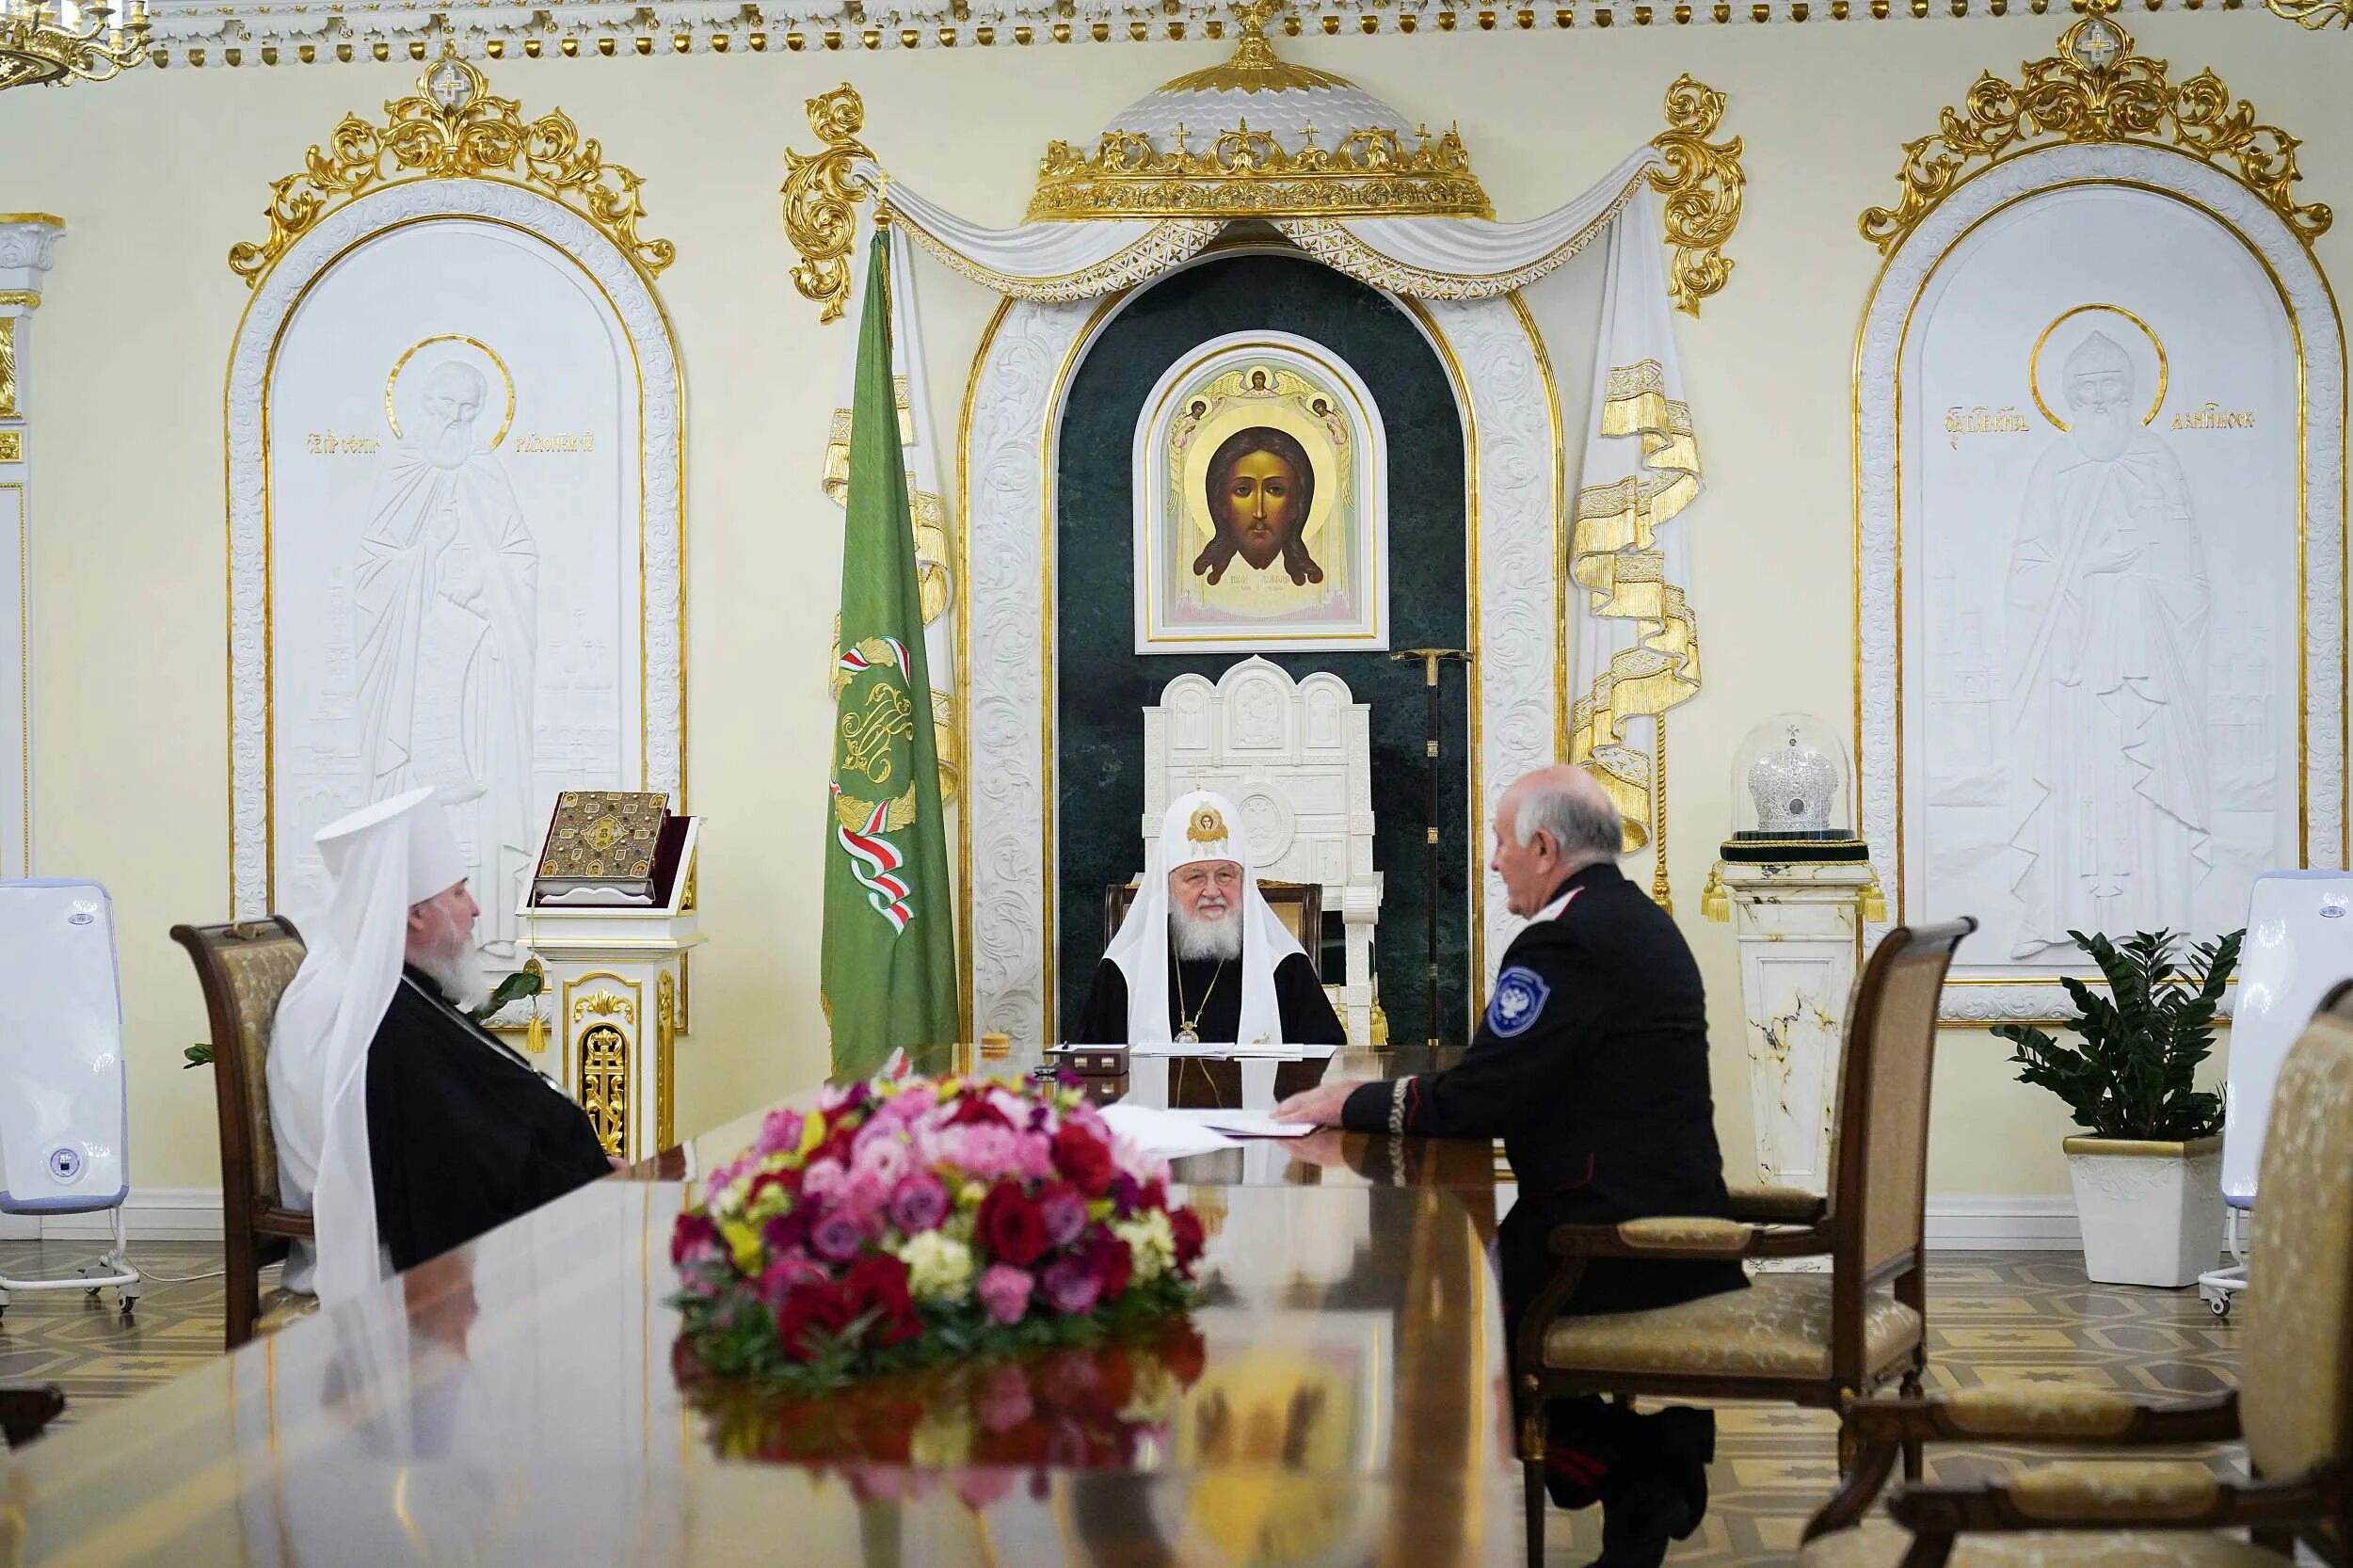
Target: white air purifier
x,y
63,1118
2299,944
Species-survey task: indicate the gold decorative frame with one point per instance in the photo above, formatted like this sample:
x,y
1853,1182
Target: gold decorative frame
x,y
820,200
1703,185
2095,89
2101,115
600,1053
539,179
452,128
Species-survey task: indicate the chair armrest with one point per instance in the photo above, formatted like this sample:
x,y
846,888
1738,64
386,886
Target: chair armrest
x,y
1875,1431
1778,1205
2103,1496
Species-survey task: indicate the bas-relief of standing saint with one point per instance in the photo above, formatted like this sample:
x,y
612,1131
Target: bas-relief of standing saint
x,y
447,599
2106,634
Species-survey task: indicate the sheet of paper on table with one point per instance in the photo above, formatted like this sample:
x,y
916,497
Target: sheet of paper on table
x,y
1251,1124
1164,1134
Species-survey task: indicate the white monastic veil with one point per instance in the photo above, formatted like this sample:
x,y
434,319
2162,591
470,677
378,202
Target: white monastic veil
x,y
382,859
1199,826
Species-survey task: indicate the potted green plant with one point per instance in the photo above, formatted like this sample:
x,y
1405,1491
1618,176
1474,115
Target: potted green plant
x,y
2148,1173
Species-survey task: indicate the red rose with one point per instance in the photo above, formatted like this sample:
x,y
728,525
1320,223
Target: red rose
x,y
1083,1158
816,1307
1155,1194
1114,1264
1185,1226
692,1231
1011,1225
877,1283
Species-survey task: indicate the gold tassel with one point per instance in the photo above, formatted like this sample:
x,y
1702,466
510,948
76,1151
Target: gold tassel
x,y
1874,902
1714,901
536,1033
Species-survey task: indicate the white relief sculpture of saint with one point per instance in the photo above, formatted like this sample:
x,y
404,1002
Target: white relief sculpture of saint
x,y
2107,637
446,600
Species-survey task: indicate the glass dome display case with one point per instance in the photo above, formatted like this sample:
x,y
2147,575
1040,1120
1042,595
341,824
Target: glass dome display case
x,y
1790,792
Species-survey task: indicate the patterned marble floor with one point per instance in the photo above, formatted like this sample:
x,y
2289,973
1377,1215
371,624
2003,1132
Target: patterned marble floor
x,y
1993,1318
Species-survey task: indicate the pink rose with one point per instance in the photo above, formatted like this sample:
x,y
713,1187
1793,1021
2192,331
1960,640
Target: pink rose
x,y
979,1489
786,1272
1071,1287
1034,1155
1065,1213
919,1203
781,1130
837,1236
984,1149
1004,1290
865,1196
822,1179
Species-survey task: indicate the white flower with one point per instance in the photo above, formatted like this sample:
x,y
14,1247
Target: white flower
x,y
940,1268
1151,1244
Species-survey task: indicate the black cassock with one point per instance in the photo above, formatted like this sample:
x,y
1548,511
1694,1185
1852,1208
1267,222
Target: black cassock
x,y
463,1135
1308,1015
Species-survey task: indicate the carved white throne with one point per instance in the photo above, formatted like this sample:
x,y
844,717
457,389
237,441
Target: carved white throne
x,y
1295,758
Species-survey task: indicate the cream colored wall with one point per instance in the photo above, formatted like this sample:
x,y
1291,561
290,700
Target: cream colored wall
x,y
158,175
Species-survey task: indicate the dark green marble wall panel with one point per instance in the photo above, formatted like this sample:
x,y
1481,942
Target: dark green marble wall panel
x,y
1102,685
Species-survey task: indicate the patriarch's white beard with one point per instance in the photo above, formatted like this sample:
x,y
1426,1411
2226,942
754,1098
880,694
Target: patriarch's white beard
x,y
1193,938
453,974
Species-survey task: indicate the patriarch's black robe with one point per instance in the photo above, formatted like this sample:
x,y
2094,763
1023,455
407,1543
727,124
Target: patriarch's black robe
x,y
463,1135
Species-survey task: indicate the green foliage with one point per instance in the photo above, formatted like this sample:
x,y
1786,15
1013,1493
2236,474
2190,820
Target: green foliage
x,y
734,1335
199,1055
515,987
2142,1042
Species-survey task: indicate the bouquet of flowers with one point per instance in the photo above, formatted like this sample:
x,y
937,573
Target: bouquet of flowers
x,y
906,1221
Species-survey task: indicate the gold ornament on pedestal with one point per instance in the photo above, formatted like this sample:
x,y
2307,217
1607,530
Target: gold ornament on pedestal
x,y
43,43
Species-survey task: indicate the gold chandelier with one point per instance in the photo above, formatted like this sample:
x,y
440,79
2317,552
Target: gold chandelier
x,y
40,42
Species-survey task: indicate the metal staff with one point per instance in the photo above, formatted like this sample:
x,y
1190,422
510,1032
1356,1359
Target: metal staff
x,y
1431,658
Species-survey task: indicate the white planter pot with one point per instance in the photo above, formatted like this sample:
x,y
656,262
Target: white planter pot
x,y
2152,1213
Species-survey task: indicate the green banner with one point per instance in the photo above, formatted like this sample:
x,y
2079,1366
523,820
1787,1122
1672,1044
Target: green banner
x,y
889,966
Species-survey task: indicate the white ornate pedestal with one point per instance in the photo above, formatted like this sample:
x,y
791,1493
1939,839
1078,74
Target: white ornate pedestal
x,y
1799,929
613,1006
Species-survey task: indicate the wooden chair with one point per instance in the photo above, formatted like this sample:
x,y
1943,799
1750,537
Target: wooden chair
x,y
245,968
1298,905
25,1408
2294,1407
1810,1340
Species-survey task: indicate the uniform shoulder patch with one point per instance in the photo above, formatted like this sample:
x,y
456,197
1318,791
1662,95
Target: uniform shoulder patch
x,y
1519,999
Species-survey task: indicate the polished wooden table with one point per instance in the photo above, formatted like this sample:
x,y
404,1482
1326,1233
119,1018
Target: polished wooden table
x,y
1337,1400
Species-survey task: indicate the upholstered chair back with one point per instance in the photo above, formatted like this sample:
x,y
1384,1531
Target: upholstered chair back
x,y
244,968
1883,1098
2296,1400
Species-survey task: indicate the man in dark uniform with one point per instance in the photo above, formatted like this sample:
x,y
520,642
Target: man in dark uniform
x,y
1591,1066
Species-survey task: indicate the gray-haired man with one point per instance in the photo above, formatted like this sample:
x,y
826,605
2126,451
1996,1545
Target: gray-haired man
x,y
1591,1066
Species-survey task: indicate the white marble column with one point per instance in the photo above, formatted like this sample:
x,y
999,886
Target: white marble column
x,y
28,245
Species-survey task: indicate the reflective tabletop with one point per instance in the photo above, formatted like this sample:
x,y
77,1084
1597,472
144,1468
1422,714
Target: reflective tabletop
x,y
1335,1398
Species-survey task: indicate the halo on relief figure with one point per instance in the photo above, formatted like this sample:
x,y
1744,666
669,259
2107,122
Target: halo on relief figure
x,y
392,382
2034,361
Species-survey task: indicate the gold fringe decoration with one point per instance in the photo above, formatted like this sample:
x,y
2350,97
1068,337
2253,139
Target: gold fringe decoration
x,y
1614,557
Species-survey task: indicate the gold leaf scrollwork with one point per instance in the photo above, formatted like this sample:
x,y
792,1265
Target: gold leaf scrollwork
x,y
1702,183
452,128
2314,14
821,198
2096,90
